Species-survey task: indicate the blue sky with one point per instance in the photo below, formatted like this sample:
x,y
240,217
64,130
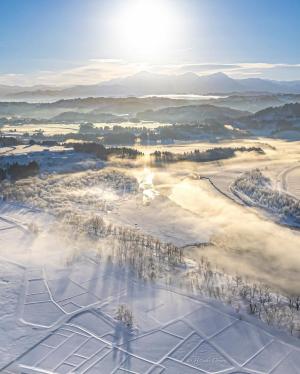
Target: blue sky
x,y
75,39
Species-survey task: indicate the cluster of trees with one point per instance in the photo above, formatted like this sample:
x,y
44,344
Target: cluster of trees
x,y
47,143
61,194
19,171
130,135
123,137
124,152
258,188
2,174
145,254
124,314
9,141
103,153
96,149
150,259
69,198
88,128
110,135
164,134
272,307
213,154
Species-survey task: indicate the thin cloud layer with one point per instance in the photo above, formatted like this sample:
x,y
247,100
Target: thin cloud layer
x,y
101,70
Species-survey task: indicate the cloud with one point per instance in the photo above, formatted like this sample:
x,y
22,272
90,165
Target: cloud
x,y
99,70
267,71
244,70
94,71
200,68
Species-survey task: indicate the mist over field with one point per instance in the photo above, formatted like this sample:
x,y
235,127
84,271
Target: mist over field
x,y
244,241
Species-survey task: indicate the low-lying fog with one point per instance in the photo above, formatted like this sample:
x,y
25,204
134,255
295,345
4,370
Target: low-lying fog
x,y
245,240
173,202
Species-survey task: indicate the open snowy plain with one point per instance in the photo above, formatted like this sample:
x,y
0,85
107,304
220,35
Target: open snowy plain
x,y
58,315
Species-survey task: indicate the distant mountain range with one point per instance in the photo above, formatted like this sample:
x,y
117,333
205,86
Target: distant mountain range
x,y
145,83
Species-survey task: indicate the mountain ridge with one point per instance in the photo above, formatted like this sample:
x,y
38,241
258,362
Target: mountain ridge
x,y
146,83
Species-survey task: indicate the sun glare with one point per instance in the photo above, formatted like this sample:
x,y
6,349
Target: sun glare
x,y
146,27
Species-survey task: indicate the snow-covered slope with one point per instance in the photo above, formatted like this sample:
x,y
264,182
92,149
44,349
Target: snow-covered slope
x,y
60,317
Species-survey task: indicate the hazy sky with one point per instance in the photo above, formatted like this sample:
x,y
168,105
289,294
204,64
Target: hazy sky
x,y
85,41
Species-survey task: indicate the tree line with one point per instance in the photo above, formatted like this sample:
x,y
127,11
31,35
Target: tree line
x,y
213,154
102,152
17,171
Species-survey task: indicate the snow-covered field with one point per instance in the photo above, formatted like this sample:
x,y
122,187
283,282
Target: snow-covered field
x,y
58,316
280,164
175,205
291,181
47,129
56,159
60,289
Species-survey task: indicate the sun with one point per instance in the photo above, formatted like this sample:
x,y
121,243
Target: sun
x,y
146,27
